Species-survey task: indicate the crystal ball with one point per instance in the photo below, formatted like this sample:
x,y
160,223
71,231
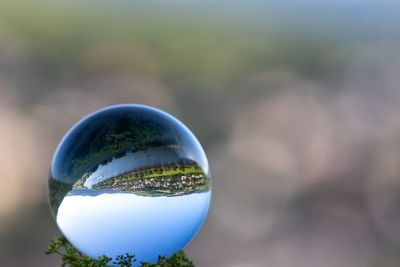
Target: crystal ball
x,y
129,179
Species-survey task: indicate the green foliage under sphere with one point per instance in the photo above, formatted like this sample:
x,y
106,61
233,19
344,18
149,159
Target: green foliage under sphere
x,y
73,258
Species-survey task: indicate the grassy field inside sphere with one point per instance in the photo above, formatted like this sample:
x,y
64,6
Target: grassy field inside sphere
x,y
164,179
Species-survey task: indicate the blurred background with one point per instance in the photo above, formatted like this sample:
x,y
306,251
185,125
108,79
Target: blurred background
x,y
297,105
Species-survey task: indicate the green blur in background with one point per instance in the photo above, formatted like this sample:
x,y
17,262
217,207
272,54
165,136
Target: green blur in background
x,y
296,104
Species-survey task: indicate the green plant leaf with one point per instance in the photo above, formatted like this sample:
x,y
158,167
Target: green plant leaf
x,y
71,257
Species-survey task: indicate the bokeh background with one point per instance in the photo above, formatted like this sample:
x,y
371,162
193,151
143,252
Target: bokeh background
x,y
297,104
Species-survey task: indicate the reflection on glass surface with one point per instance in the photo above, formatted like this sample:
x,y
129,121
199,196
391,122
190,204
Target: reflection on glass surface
x,y
129,179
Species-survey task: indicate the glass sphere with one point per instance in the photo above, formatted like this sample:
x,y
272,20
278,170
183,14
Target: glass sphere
x,y
129,179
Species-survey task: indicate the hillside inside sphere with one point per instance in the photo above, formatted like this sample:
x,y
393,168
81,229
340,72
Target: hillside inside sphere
x,y
129,179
